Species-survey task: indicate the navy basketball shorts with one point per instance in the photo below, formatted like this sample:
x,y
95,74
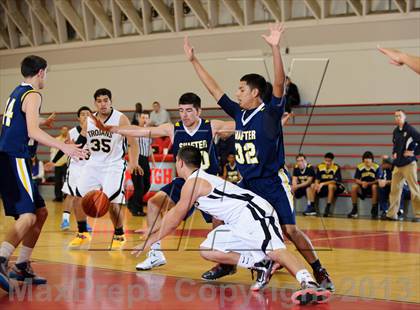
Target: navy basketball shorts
x,y
173,191
276,190
18,192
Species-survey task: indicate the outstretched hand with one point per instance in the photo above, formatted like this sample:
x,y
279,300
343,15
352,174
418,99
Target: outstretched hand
x,y
102,126
276,31
393,55
188,49
49,122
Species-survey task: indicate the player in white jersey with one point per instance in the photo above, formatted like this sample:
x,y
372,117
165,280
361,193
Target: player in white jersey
x,y
190,129
74,167
250,236
106,166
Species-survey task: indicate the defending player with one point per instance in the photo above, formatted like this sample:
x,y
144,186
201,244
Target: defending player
x,y
259,143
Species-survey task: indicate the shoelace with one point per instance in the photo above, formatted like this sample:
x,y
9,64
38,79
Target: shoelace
x,y
81,236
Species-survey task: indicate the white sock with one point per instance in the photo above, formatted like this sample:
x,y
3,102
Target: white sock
x,y
155,246
246,261
6,249
304,276
24,255
66,216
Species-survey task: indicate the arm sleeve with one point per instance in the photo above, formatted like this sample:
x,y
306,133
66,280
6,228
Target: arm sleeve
x,y
357,174
278,104
229,106
415,135
378,173
57,156
311,172
318,175
394,146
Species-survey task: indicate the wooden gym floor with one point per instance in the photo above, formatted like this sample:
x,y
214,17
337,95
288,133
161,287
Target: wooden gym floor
x,y
374,265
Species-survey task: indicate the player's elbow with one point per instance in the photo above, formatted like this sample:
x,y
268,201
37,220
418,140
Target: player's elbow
x,y
33,132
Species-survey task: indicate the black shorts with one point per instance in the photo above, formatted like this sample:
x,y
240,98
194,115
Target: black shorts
x,y
324,190
365,192
300,192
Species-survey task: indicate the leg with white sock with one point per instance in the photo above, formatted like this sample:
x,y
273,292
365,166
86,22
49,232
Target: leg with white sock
x,y
22,270
13,238
155,258
68,206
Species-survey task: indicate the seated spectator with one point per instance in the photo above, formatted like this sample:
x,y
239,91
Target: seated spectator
x,y
159,115
384,183
225,145
230,171
136,115
302,179
327,182
37,171
366,184
292,95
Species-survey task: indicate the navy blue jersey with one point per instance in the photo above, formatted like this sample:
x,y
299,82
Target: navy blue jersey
x,y
201,138
385,174
325,174
365,174
258,137
303,175
14,139
232,173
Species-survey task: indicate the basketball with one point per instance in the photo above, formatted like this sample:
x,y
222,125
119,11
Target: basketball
x,y
95,203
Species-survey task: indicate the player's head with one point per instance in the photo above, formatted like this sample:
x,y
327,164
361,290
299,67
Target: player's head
x,y
189,107
139,107
156,106
103,101
83,113
301,161
251,90
188,159
386,162
329,159
34,67
143,118
231,158
64,131
368,158
400,117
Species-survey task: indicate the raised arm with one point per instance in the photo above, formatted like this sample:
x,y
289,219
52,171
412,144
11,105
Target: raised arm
x,y
204,76
273,40
398,58
133,150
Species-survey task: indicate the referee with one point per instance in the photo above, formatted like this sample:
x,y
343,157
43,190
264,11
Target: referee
x,y
141,183
406,141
